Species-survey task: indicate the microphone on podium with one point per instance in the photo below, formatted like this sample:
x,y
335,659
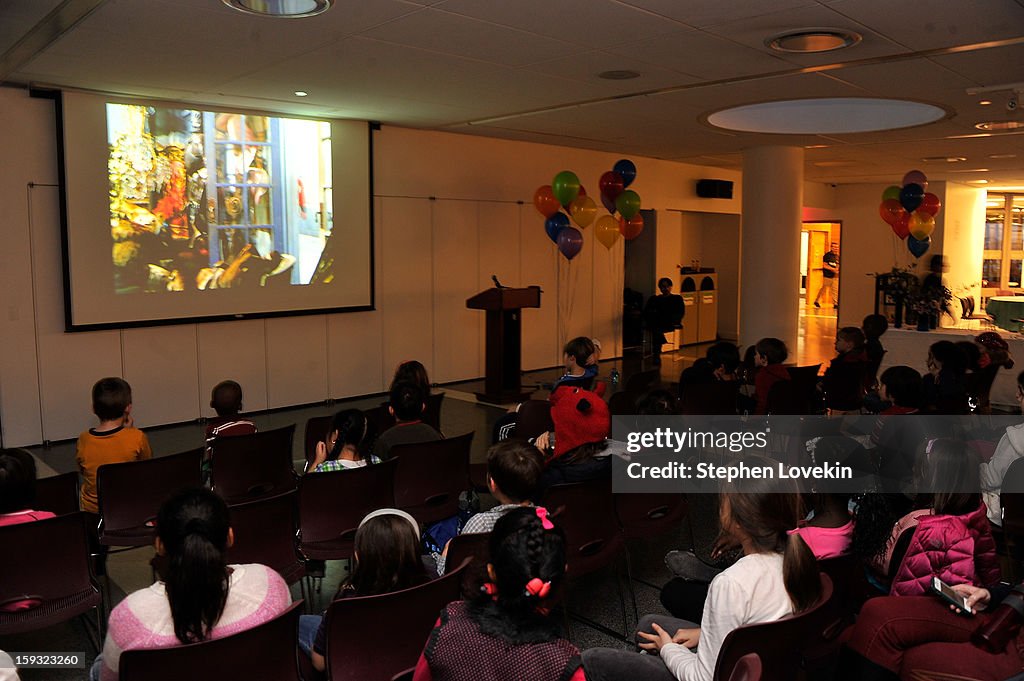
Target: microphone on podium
x,y
497,284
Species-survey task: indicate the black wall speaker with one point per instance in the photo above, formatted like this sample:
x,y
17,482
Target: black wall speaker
x,y
714,189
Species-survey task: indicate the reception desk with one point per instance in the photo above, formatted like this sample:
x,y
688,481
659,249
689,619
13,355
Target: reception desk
x,y
910,347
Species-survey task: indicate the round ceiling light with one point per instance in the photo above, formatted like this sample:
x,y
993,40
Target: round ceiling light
x,y
999,125
830,115
812,40
282,9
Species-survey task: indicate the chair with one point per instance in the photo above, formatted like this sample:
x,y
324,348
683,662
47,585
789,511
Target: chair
x,y
748,668
265,533
57,494
979,387
785,399
45,576
405,675
332,504
362,653
316,431
432,413
383,419
622,403
130,494
805,381
1011,498
267,652
473,550
248,467
533,418
642,516
431,476
643,381
781,645
710,399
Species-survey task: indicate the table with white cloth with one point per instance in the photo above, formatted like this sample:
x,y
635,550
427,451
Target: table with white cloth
x,y
910,347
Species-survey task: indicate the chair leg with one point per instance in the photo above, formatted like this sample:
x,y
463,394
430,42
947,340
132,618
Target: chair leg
x,y
632,591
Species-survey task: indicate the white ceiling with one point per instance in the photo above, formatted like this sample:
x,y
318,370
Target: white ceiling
x,y
527,69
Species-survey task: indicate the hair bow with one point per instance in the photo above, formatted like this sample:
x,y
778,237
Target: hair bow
x,y
536,587
542,513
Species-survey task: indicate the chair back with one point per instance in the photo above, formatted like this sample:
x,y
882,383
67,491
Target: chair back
x,y
642,382
332,504
130,494
267,652
265,533
710,399
57,494
431,476
249,467
779,644
649,515
622,403
533,418
844,385
979,388
45,576
586,513
432,412
358,652
748,668
1011,498
785,399
473,550
316,431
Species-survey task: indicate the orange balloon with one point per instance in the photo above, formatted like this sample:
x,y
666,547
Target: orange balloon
x,y
631,228
606,229
583,210
545,202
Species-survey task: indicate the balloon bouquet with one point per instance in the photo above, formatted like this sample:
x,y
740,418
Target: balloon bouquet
x,y
911,211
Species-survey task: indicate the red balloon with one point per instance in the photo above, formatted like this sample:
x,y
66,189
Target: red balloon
x,y
631,228
890,210
901,227
545,202
583,192
930,204
611,184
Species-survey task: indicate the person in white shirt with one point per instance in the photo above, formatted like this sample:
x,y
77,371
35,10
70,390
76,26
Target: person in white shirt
x,y
752,590
1009,449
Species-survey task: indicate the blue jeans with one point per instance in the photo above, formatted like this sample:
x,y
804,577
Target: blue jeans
x,y
308,626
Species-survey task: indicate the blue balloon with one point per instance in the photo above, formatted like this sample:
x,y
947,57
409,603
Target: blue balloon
x,y
918,247
627,169
555,224
911,197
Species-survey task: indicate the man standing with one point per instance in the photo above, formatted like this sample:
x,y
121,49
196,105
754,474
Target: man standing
x,y
663,313
830,275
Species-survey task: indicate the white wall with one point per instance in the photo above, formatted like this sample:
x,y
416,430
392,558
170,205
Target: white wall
x,y
450,210
714,239
964,239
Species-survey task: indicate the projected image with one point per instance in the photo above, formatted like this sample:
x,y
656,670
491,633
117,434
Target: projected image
x,y
201,200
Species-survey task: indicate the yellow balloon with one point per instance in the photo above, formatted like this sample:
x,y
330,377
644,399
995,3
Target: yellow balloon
x,y
921,225
606,229
583,210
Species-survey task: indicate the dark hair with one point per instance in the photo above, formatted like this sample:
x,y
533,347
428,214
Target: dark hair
x,y
874,518
773,350
521,550
580,349
903,385
412,371
388,557
193,528
1020,380
852,334
971,353
351,427
937,263
766,510
874,325
950,473
949,356
657,403
226,398
407,401
17,480
515,467
724,354
111,398
664,282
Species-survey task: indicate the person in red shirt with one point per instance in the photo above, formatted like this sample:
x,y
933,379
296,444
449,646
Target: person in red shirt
x,y
769,354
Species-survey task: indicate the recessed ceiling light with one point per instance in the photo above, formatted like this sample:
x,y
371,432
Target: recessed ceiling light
x,y
816,146
834,164
831,115
985,102
618,75
301,93
811,40
1002,155
943,159
999,125
281,9
977,181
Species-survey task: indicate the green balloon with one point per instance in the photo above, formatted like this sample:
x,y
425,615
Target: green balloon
x,y
565,187
628,204
892,192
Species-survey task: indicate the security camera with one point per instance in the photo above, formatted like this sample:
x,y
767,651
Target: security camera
x,y
1011,103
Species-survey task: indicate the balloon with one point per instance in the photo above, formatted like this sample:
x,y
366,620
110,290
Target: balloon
x,y
583,210
544,201
921,225
608,203
611,184
891,192
918,247
606,229
555,224
911,196
890,210
565,187
570,241
631,228
626,170
915,177
628,203
930,204
583,192
899,227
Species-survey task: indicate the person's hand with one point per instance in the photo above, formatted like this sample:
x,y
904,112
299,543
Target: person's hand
x,y
129,420
591,360
977,597
724,544
541,443
687,637
321,455
657,640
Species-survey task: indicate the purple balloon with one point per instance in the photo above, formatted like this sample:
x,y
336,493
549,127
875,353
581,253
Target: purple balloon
x,y
609,204
915,177
911,197
555,224
570,242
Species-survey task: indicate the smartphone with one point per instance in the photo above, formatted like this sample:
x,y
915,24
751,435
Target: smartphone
x,y
946,593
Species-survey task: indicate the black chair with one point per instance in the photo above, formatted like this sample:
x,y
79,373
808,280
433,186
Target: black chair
x,y
643,516
267,652
57,494
249,467
474,551
316,431
264,533
431,476
710,399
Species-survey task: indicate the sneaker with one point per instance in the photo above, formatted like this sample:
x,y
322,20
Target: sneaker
x,y
686,565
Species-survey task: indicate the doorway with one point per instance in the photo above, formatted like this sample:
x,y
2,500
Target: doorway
x,y
820,252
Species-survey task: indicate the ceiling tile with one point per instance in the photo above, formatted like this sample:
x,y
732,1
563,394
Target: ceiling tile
x,y
701,13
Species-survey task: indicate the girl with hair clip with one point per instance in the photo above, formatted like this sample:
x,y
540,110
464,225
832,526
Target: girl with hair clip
x,y
199,596
345,445
777,576
507,633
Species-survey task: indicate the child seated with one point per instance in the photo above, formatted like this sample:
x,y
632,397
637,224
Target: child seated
x,y
769,354
580,364
577,449
18,488
873,327
226,400
406,405
507,632
944,387
843,382
344,446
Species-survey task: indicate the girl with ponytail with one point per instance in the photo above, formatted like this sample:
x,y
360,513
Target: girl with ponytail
x,y
777,576
345,446
506,633
199,596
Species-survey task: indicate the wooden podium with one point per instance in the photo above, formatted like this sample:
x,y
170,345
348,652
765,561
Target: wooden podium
x,y
504,339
